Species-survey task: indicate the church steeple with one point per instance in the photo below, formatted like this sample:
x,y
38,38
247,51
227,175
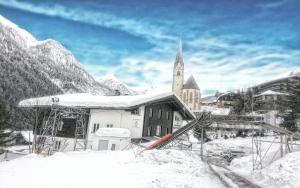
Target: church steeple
x,y
178,71
179,56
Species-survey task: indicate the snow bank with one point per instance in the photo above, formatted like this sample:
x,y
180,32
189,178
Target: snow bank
x,y
284,172
220,145
113,132
157,168
27,135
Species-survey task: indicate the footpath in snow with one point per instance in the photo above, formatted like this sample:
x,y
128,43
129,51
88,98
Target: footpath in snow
x,y
163,168
276,173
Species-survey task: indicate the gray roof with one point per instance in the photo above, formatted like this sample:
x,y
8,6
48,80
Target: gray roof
x,y
191,84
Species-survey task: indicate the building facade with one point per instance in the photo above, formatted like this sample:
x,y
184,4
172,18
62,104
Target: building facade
x,y
144,116
189,91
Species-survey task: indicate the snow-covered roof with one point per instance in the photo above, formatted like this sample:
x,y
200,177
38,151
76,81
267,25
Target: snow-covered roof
x,y
87,100
113,132
279,77
209,99
215,110
270,92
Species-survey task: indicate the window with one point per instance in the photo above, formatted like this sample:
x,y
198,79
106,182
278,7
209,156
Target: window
x,y
60,126
196,97
184,97
159,113
57,145
168,115
191,97
113,147
177,118
150,112
109,125
158,130
149,131
167,130
96,127
178,73
136,111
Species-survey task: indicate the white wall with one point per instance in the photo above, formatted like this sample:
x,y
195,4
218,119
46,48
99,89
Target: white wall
x,y
119,119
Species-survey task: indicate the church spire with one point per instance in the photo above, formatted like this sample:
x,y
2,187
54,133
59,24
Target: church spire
x,y
179,56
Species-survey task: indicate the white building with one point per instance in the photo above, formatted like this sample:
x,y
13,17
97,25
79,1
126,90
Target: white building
x,y
147,115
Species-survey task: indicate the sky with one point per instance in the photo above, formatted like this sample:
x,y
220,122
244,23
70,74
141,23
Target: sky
x,y
227,44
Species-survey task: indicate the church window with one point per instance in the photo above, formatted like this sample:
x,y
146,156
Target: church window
x,y
196,97
191,97
184,97
178,73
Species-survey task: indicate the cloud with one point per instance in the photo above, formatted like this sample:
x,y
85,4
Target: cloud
x,y
132,26
222,54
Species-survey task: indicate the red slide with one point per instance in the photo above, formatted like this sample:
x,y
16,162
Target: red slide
x,y
157,142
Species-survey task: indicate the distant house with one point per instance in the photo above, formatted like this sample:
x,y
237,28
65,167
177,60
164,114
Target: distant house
x,y
281,84
147,115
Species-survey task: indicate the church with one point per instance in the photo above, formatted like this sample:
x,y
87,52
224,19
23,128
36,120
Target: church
x,y
188,91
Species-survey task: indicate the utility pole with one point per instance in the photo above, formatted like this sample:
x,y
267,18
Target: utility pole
x,y
202,140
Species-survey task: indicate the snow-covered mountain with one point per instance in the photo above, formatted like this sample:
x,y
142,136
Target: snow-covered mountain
x,y
31,68
52,59
115,84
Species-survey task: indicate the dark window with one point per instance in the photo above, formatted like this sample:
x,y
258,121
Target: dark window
x,y
109,125
94,128
178,73
158,130
150,112
113,147
57,145
136,111
159,114
149,131
167,130
191,97
168,115
60,126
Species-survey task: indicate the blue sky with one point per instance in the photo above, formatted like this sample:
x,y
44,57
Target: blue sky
x,y
228,44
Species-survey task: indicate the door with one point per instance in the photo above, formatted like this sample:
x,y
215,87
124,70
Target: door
x,y
103,145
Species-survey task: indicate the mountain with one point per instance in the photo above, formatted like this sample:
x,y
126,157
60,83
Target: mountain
x,y
115,84
31,68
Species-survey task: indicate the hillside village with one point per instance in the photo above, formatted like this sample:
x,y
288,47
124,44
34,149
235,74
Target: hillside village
x,y
66,122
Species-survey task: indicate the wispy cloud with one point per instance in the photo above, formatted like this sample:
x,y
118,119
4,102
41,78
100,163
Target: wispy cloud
x,y
132,26
226,46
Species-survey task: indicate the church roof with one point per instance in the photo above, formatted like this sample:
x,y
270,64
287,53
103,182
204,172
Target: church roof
x,y
191,84
179,56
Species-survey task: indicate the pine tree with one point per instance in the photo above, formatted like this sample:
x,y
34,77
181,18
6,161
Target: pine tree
x,y
5,130
290,107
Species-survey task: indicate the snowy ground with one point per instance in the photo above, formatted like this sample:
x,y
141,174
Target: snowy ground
x,y
165,168
276,172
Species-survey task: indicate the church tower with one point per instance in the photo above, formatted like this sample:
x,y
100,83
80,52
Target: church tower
x,y
178,72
